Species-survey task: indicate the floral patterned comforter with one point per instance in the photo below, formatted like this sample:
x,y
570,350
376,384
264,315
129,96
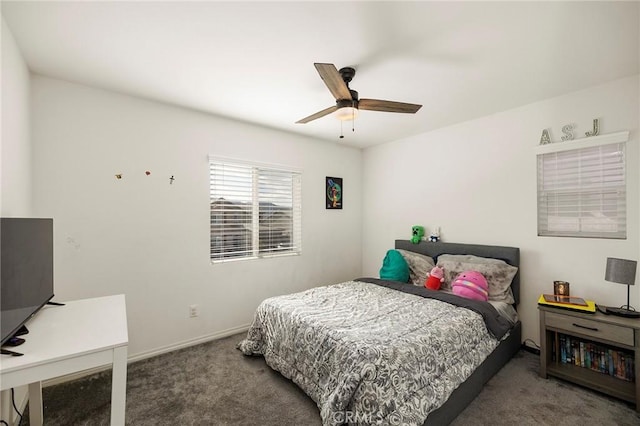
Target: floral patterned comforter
x,y
369,354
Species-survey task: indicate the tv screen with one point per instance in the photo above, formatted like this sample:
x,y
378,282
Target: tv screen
x,y
26,250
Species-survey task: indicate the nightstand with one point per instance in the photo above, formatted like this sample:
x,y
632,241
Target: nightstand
x,y
598,351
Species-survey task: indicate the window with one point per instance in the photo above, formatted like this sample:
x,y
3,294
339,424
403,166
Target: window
x,y
256,210
582,188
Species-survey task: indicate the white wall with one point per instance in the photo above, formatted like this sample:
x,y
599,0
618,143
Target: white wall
x,y
15,160
477,180
15,168
148,239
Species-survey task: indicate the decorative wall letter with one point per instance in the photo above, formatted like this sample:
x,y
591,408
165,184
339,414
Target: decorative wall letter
x,y
596,128
545,138
566,129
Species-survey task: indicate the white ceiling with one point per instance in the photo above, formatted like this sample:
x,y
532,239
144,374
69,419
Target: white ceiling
x,y
253,61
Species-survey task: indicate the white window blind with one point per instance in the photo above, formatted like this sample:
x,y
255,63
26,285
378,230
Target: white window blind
x,y
582,192
256,211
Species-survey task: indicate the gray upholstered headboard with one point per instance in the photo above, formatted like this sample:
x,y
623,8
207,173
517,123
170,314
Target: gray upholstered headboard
x,y
511,255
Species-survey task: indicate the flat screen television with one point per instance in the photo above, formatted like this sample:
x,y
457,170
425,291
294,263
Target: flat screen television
x,y
26,250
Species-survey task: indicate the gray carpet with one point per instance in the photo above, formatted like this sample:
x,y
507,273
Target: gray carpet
x,y
214,384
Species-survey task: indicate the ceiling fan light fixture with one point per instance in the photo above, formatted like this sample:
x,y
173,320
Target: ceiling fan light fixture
x,y
346,113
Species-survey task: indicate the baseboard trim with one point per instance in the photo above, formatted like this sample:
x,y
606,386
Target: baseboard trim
x,y
149,354
190,342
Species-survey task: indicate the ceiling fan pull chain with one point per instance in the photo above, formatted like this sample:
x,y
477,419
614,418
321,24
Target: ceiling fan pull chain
x,y
341,135
353,116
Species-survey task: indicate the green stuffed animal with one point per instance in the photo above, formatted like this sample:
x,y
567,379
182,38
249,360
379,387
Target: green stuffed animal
x,y
418,233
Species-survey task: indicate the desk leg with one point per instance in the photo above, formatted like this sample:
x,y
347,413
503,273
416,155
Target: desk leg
x,y
35,404
119,386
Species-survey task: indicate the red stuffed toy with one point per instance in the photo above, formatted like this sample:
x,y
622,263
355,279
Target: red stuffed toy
x,y
434,278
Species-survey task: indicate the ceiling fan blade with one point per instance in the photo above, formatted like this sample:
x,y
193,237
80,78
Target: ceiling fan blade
x,y
333,80
317,115
388,106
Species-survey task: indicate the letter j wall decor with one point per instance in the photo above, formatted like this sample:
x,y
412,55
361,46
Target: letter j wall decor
x,y
333,193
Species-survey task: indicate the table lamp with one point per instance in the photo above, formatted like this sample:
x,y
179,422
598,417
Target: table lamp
x,y
622,271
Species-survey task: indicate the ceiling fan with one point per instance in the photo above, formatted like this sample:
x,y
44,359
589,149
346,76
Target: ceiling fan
x,y
338,84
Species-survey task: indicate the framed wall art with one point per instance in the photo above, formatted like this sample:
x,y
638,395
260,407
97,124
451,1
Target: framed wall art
x,y
333,193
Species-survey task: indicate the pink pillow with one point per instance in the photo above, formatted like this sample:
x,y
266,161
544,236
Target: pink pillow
x,y
472,285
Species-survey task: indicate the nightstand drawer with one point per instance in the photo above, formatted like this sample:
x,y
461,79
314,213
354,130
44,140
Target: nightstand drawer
x,y
611,332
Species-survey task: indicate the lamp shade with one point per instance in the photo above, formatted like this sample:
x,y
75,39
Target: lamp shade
x,y
346,113
621,271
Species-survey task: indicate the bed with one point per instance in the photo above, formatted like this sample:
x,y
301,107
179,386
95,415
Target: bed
x,y
373,351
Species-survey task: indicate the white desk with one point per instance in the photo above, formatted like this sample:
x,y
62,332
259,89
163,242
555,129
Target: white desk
x,y
62,340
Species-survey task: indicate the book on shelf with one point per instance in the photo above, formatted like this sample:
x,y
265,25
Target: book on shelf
x,y
595,356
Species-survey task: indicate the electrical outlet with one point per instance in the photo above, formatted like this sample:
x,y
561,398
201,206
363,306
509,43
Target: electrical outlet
x,y
193,311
